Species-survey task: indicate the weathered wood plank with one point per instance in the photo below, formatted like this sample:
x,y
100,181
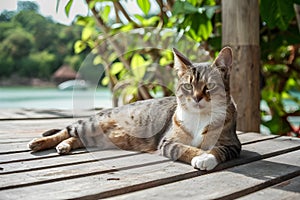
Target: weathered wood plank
x,y
60,161
12,147
15,140
135,178
32,127
228,184
19,114
254,137
104,166
289,189
27,156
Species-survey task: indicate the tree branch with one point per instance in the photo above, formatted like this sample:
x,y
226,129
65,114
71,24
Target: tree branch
x,y
116,47
162,10
297,11
117,14
106,30
119,6
170,4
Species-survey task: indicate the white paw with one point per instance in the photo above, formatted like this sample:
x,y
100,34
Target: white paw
x,y
63,148
205,161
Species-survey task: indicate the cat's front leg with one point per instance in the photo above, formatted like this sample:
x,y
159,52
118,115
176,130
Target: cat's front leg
x,y
198,158
219,154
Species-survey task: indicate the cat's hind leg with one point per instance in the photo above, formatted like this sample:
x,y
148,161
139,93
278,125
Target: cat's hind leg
x,y
48,142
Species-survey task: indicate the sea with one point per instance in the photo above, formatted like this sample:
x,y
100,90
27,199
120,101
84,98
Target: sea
x,y
53,98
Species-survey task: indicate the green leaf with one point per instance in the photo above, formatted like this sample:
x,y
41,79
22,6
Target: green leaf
x,y
84,21
105,13
92,4
79,46
200,27
87,33
144,5
116,68
277,125
97,60
105,81
57,5
139,17
291,83
151,21
205,29
123,28
194,2
277,13
138,66
167,58
184,7
147,22
68,6
210,11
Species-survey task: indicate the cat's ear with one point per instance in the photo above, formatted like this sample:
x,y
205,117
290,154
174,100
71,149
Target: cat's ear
x,y
224,58
181,63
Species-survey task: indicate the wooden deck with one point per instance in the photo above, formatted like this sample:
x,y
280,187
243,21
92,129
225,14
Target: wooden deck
x,y
269,168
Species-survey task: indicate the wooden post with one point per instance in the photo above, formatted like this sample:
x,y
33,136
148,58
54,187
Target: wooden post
x,y
240,30
297,11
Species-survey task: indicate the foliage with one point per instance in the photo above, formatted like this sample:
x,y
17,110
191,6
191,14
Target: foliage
x,y
27,5
280,49
200,22
34,46
17,44
133,72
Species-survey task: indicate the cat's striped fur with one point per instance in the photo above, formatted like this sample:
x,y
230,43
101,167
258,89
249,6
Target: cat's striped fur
x,y
198,126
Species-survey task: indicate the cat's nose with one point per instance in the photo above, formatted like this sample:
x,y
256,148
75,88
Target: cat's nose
x,y
197,98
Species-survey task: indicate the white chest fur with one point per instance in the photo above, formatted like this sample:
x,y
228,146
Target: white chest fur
x,y
194,123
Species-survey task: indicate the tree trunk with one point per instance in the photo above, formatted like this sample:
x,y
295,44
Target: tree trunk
x,y
241,32
297,11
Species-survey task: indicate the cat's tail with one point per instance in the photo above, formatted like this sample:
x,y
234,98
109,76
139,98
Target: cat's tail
x,y
50,132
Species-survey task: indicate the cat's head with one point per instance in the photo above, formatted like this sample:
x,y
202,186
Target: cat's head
x,y
203,85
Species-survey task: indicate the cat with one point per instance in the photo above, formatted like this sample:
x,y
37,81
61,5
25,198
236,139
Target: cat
x,y
197,126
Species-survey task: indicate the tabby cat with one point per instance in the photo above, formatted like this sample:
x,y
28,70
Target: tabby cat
x,y
198,126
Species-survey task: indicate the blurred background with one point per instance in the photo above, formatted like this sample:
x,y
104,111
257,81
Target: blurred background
x,y
43,45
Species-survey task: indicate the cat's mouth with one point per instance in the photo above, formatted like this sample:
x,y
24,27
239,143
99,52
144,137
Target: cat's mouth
x,y
199,105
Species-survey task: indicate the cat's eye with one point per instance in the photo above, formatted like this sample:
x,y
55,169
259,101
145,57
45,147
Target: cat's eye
x,y
187,86
210,85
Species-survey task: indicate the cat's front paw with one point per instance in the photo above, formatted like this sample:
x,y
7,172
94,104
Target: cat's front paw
x,y
63,148
205,161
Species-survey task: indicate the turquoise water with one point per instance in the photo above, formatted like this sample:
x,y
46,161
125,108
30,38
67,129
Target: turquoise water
x,y
52,98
